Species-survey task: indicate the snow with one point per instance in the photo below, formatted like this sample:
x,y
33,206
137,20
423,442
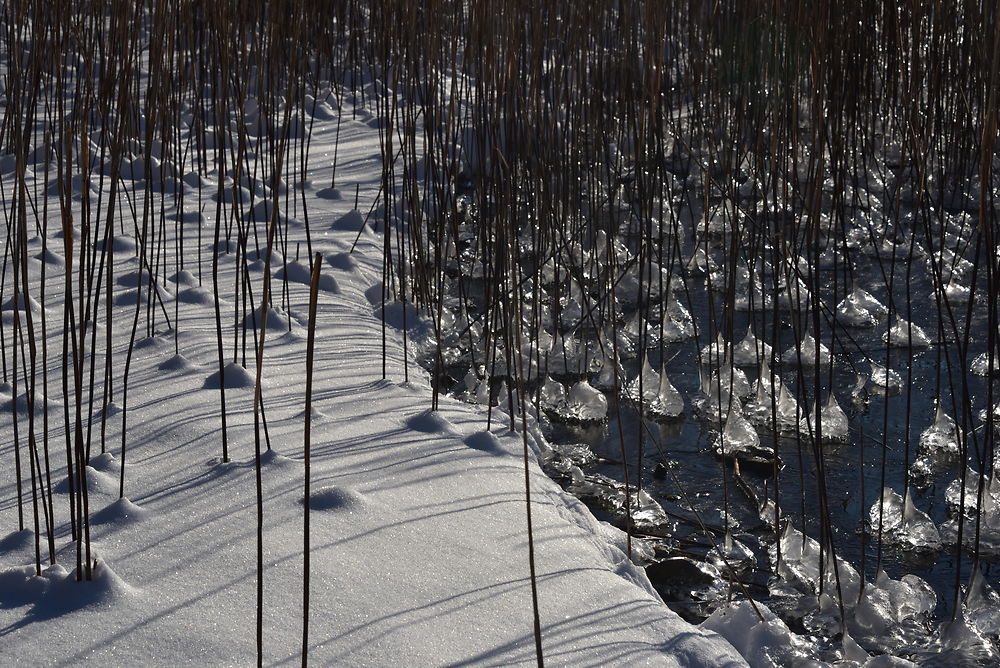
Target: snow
x,y
418,519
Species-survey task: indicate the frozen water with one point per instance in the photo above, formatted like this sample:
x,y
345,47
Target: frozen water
x,y
806,353
759,635
713,353
887,380
734,380
981,364
982,517
941,438
552,394
714,401
834,422
902,523
737,436
905,334
657,395
850,312
585,404
799,571
732,554
751,349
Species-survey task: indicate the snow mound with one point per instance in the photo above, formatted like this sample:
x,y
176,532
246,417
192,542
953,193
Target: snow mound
x,y
334,497
121,510
65,593
17,302
352,221
277,320
190,217
119,244
48,257
298,272
20,586
97,481
430,422
484,441
17,540
329,193
129,297
39,399
342,261
105,462
178,363
234,375
274,458
196,295
184,277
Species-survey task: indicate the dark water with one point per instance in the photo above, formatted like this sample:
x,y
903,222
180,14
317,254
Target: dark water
x,y
854,472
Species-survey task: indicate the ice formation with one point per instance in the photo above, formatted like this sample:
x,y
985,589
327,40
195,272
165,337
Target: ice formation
x,y
941,437
806,354
885,379
905,334
655,392
834,422
585,404
860,309
748,351
981,364
901,523
737,436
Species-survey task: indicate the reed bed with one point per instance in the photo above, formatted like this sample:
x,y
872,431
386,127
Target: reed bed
x,y
611,195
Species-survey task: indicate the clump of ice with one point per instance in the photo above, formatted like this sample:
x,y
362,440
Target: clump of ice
x,y
713,352
610,375
566,355
552,393
714,400
787,409
860,309
759,635
941,438
806,353
773,408
885,379
955,293
905,334
732,554
982,606
981,364
972,509
903,524
800,570
737,436
734,380
748,351
655,392
585,403
834,425
887,604
674,324
646,513
957,643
